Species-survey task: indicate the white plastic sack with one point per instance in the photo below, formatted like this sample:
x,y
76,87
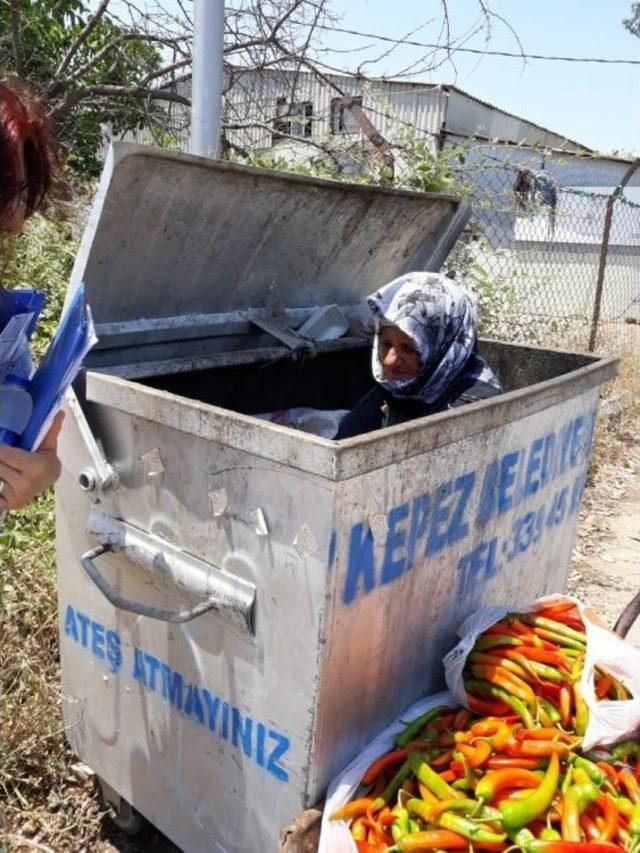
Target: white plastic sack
x,y
609,721
321,422
334,835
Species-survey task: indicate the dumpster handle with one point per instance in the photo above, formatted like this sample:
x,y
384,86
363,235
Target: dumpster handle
x,y
122,603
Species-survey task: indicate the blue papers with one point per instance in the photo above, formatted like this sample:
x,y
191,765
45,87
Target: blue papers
x,y
59,367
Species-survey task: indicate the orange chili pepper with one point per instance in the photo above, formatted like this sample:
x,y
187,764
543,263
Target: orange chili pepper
x,y
356,808
374,770
608,769
603,685
543,734
564,701
497,731
442,760
537,748
630,783
386,817
426,794
501,762
358,830
610,814
500,658
432,839
495,781
448,776
505,679
476,755
540,656
367,847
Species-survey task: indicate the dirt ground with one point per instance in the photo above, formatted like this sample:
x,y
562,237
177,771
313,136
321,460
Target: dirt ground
x,y
605,573
606,556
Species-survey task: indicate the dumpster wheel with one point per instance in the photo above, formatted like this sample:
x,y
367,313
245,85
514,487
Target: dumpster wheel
x,y
122,813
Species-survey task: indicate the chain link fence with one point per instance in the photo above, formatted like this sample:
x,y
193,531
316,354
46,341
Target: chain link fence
x,y
552,262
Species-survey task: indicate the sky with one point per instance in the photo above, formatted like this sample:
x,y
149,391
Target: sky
x,y
598,105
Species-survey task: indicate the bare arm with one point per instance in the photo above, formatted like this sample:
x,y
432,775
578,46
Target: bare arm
x,y
24,475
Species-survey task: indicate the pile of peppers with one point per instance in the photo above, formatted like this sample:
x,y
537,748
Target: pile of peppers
x,y
509,774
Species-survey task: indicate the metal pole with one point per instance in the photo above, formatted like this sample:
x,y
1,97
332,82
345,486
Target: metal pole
x,y
604,250
207,76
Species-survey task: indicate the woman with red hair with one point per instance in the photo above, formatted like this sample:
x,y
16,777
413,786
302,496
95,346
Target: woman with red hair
x,y
27,163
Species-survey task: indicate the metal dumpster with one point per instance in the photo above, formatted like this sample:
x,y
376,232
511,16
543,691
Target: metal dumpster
x,y
243,606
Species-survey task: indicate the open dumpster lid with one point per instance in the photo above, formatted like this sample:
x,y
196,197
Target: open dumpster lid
x,y
172,236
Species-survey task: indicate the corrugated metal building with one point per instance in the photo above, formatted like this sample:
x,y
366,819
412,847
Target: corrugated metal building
x,y
302,105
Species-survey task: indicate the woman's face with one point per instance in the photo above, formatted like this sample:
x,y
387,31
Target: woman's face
x,y
398,356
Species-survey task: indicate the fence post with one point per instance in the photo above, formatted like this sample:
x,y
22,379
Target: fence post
x,y
604,250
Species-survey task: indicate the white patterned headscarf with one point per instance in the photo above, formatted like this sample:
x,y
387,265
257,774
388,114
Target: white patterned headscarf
x,y
440,317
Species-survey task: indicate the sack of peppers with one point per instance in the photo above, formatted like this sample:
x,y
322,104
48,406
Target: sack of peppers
x,y
525,759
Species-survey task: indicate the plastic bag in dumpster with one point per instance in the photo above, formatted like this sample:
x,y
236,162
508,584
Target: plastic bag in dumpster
x,y
335,836
320,422
609,720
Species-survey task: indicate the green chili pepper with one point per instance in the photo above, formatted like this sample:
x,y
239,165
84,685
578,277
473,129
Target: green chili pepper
x,y
394,785
414,727
473,831
576,800
634,822
551,710
519,813
550,834
430,778
462,785
483,687
560,639
568,780
556,627
400,826
625,749
624,806
582,712
593,771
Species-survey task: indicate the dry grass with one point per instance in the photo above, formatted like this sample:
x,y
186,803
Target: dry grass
x,y
47,805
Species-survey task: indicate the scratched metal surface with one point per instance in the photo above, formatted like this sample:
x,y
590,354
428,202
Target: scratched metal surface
x,y
217,733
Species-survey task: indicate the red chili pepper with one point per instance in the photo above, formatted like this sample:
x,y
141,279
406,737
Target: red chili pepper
x,y
367,847
608,769
589,828
393,757
570,847
487,707
498,780
550,690
630,783
610,814
461,719
449,776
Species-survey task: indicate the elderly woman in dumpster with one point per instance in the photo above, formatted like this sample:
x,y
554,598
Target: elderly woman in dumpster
x,y
424,355
27,160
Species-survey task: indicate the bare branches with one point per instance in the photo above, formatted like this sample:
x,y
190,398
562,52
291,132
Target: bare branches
x,y
62,110
14,19
81,38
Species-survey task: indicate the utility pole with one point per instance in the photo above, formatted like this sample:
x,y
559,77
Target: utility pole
x,y
207,78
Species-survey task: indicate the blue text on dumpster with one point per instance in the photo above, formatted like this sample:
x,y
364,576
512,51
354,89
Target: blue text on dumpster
x,y
259,742
423,527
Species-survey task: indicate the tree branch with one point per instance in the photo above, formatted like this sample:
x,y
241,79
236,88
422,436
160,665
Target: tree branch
x,y
14,16
80,39
72,100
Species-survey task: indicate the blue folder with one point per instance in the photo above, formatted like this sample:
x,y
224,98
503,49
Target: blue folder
x,y
59,367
